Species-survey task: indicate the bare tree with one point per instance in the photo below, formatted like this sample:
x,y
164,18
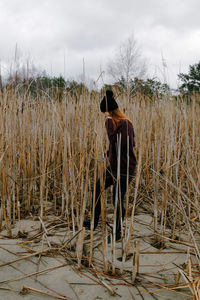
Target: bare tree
x,y
127,63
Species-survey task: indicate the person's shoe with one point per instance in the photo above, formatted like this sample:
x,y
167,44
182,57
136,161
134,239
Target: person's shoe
x,y
118,236
109,237
86,223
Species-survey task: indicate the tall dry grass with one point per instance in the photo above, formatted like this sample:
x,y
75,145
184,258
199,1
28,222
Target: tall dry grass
x,y
52,152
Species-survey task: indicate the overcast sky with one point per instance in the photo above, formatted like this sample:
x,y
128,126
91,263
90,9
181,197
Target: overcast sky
x,y
58,34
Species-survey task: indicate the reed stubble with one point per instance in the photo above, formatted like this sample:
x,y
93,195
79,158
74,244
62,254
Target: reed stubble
x,y
50,154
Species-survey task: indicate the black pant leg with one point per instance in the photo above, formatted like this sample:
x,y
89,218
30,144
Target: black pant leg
x,y
109,180
122,187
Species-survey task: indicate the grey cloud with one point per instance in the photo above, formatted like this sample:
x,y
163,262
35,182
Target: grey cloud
x,y
93,29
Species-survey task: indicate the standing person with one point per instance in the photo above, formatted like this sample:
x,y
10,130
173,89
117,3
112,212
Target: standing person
x,y
121,142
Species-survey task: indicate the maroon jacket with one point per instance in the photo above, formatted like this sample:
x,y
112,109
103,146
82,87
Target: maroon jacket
x,y
125,129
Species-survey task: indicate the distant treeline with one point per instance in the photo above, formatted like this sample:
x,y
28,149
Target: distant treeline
x,y
57,87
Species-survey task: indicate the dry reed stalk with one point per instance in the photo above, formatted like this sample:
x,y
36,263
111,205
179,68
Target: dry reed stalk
x,y
138,173
24,257
117,202
25,289
15,268
171,289
136,262
33,274
70,285
103,215
52,153
111,291
20,244
124,233
93,207
71,239
79,246
45,232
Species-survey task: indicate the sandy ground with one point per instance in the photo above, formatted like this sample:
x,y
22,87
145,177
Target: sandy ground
x,y
63,280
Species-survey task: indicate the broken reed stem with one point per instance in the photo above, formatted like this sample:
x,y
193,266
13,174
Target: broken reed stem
x,y
24,257
26,288
33,274
70,285
103,215
138,172
111,291
117,203
79,246
93,207
136,262
49,152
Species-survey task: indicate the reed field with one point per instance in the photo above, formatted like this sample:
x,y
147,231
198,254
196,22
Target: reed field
x,y
51,153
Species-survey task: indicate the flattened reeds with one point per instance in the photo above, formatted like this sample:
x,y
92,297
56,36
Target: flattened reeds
x,y
49,154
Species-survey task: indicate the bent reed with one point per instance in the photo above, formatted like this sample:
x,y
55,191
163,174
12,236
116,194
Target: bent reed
x,y
52,152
